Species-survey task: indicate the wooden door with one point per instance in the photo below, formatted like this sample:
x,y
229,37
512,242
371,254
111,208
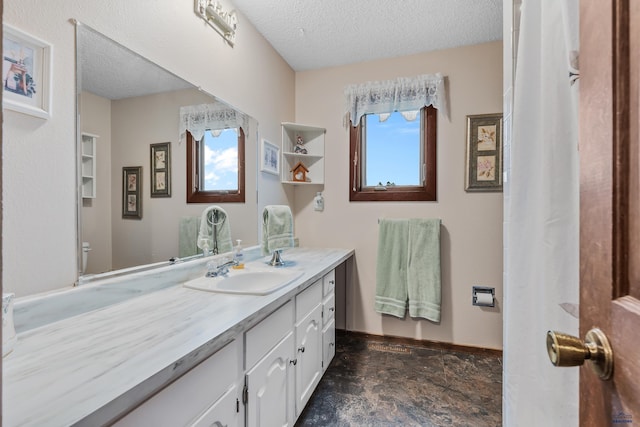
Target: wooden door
x,y
610,205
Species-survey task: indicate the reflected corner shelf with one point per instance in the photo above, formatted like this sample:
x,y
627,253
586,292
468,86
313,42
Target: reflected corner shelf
x,y
88,166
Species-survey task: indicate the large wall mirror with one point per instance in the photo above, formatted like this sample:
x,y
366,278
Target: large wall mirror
x,y
128,110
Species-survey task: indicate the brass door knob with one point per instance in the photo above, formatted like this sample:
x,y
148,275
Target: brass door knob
x,y
567,350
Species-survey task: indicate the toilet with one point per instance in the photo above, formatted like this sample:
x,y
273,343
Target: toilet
x,y
85,254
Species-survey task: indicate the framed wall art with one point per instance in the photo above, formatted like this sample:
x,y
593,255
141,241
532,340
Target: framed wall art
x,y
270,158
484,153
26,73
132,192
161,169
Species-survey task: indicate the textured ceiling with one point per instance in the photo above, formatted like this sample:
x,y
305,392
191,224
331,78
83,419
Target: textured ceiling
x,y
112,71
311,34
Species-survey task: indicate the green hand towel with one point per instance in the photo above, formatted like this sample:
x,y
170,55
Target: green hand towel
x,y
423,268
222,230
391,267
277,228
188,236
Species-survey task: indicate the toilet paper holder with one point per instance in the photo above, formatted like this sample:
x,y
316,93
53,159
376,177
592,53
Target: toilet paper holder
x,y
480,296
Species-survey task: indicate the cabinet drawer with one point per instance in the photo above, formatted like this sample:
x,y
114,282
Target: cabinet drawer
x,y
328,308
308,299
266,334
329,282
191,394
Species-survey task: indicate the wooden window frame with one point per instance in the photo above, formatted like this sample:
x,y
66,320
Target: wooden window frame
x,y
194,195
424,192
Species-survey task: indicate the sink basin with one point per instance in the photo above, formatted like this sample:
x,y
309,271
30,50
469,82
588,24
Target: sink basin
x,y
249,281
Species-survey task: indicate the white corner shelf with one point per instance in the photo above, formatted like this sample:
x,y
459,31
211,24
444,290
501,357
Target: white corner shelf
x,y
313,138
89,165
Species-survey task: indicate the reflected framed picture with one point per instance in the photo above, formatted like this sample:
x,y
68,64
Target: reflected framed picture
x,y
270,156
132,192
161,169
26,73
484,153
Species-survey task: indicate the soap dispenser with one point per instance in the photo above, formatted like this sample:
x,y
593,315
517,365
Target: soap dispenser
x,y
318,202
238,255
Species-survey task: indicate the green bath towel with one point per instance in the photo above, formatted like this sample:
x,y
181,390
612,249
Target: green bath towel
x,y
391,267
423,269
408,268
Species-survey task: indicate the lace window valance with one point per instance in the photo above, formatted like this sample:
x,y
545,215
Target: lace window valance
x,y
401,94
197,119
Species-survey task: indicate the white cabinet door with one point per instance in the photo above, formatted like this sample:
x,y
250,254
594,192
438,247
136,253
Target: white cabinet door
x,y
308,355
328,344
224,413
270,387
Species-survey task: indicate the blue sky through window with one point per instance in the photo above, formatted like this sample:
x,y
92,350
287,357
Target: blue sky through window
x,y
221,161
393,150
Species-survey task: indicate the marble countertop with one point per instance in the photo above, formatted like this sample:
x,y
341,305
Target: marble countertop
x,y
94,367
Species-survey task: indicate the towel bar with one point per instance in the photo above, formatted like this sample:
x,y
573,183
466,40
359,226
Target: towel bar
x,y
380,219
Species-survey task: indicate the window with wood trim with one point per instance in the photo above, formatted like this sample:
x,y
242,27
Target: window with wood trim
x,y
209,161
395,161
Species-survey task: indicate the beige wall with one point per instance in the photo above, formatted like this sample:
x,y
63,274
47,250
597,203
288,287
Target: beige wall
x,y
471,222
96,213
39,164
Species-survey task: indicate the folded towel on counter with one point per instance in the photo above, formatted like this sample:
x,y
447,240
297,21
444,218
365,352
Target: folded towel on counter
x,y
423,269
408,268
391,267
188,230
277,228
214,220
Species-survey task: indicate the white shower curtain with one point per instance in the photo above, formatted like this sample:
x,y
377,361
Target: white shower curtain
x,y
541,218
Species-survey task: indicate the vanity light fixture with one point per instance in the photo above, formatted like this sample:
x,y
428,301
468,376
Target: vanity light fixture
x,y
225,23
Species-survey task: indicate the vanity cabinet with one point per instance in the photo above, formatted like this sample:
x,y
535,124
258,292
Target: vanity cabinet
x,y
328,318
310,153
264,378
206,395
286,355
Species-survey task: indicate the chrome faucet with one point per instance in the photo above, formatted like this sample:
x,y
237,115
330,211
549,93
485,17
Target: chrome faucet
x,y
220,270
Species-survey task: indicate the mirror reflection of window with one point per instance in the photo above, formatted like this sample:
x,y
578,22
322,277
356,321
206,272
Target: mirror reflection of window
x,y
219,161
215,167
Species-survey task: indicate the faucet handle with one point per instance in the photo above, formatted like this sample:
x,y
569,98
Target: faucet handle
x,y
212,269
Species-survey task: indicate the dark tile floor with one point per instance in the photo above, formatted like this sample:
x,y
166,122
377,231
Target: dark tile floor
x,y
371,382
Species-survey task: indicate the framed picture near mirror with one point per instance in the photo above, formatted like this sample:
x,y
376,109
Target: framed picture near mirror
x,y
26,73
270,158
132,192
161,169
484,153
